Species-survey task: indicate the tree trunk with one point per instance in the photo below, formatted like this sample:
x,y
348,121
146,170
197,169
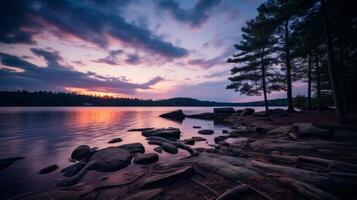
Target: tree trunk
x,y
288,68
318,83
331,66
264,84
309,83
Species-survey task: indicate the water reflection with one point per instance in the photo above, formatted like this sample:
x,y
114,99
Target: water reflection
x,y
48,135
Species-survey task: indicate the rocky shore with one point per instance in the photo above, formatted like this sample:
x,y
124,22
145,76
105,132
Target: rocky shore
x,y
257,157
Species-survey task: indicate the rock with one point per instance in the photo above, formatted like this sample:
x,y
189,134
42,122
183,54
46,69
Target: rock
x,y
163,132
198,127
105,160
146,158
48,169
308,129
169,148
175,115
260,114
115,140
235,193
133,147
263,128
224,110
247,112
225,131
158,149
189,141
281,130
81,152
140,129
153,194
73,169
168,177
198,138
220,138
5,163
206,132
209,116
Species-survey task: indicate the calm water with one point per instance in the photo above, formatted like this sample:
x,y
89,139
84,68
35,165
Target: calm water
x,y
48,135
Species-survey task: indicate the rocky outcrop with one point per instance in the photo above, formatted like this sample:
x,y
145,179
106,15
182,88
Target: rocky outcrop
x,y
163,132
174,115
81,152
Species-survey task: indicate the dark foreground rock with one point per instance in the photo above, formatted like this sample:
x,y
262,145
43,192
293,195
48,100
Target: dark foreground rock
x,y
81,152
174,115
163,132
206,132
189,141
153,194
6,162
158,149
133,147
146,158
115,140
73,169
48,169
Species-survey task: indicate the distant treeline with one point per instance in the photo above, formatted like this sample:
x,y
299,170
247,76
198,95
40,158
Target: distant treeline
x,y
45,98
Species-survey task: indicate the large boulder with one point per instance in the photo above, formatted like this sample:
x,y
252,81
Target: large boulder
x,y
163,132
133,147
224,110
174,115
153,194
81,152
247,112
110,159
146,158
308,129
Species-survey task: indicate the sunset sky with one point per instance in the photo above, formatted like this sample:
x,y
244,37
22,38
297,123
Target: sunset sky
x,y
140,48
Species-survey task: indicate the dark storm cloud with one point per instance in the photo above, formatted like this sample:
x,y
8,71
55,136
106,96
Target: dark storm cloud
x,y
195,16
57,77
90,20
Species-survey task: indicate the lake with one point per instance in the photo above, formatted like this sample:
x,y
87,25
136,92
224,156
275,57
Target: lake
x,y
48,135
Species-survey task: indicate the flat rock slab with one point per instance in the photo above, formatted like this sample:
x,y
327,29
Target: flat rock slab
x,y
308,129
163,132
133,147
80,152
153,194
110,159
206,132
115,140
146,158
48,169
167,177
281,130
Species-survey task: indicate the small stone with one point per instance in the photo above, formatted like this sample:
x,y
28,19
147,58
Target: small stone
x,y
48,169
198,127
189,141
80,152
224,131
115,140
158,149
146,158
198,138
140,129
206,132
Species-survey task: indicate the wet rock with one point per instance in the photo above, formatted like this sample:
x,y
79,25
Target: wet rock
x,y
115,140
225,131
6,162
146,158
140,129
206,132
153,194
308,129
168,177
158,149
198,138
281,130
81,152
220,138
189,141
73,169
48,169
263,128
247,112
169,148
224,110
133,147
198,127
175,115
163,132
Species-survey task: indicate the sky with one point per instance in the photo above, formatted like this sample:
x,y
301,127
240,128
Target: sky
x,y
125,48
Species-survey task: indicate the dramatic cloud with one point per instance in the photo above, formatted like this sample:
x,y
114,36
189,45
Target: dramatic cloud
x,y
110,59
89,20
195,16
57,77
